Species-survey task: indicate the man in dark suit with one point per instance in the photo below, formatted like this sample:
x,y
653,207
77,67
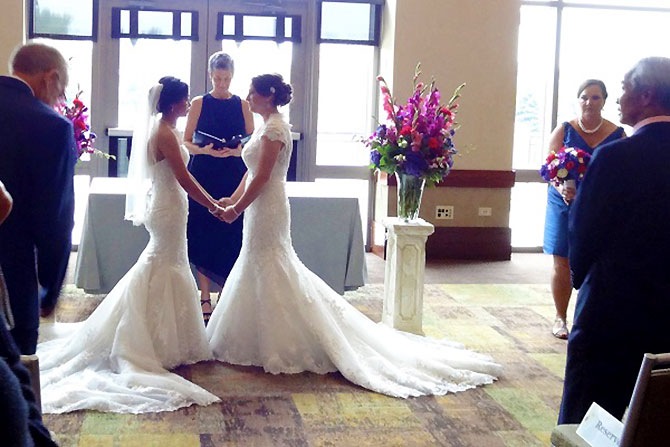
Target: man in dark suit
x,y
20,417
619,230
37,167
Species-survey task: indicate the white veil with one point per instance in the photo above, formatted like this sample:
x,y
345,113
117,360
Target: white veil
x,y
139,175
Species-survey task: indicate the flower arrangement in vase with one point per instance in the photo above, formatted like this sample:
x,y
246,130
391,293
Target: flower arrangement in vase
x,y
417,143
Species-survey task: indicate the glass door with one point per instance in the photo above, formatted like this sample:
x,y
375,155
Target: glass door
x,y
138,45
262,37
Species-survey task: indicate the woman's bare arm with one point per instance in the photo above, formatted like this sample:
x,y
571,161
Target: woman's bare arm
x,y
269,151
168,148
248,118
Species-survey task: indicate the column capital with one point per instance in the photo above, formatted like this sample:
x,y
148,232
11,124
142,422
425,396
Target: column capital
x,y
418,227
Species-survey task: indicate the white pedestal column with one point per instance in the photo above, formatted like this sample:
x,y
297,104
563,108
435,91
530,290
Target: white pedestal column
x,y
403,279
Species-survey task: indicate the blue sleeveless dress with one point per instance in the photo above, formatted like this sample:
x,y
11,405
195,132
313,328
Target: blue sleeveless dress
x,y
556,219
213,246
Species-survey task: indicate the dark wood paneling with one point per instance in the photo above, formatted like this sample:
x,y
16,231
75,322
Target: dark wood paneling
x,y
479,243
471,243
472,179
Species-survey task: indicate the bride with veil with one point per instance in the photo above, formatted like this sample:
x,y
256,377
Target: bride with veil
x,y
118,359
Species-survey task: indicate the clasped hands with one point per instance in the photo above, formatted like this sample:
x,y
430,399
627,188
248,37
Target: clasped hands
x,y
568,193
225,210
224,152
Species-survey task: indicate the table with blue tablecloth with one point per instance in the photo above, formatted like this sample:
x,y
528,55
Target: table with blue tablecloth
x,y
326,231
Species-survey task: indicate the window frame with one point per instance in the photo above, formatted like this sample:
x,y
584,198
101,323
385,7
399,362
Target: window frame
x,y
375,23
279,37
134,24
32,34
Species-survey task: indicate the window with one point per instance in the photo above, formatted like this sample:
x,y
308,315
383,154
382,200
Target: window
x,y
240,27
157,58
535,85
346,104
63,19
350,21
154,23
590,44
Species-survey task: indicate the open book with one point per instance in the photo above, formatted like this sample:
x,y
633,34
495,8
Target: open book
x,y
203,139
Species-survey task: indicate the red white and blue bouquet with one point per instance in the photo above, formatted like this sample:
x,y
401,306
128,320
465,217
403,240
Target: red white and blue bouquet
x,y
568,163
77,113
418,139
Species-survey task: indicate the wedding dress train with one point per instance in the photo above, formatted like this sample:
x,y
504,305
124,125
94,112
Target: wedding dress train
x,y
275,313
117,359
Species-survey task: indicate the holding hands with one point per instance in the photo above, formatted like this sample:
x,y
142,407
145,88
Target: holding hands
x,y
224,210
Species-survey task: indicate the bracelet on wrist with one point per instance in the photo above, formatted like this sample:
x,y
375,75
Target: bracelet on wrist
x,y
237,213
214,210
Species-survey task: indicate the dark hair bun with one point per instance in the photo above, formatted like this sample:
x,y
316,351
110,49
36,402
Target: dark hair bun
x,y
174,90
273,84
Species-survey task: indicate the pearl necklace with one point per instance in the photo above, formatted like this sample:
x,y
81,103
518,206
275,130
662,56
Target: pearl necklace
x,y
590,131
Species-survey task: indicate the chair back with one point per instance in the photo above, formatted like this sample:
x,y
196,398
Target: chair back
x,y
649,411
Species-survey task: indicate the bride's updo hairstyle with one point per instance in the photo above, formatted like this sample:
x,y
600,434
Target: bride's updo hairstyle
x,y
174,90
273,85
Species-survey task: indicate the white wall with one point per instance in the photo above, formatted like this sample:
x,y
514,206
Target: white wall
x,y
456,41
12,30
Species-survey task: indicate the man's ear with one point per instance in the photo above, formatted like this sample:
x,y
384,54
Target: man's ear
x,y
647,97
53,76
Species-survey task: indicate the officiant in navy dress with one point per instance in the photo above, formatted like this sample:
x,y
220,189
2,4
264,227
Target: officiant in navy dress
x,y
37,158
619,244
213,246
585,132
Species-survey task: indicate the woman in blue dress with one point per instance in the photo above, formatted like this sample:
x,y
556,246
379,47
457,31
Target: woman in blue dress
x,y
587,132
213,246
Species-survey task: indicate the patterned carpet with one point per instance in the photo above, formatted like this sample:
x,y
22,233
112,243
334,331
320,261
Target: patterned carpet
x,y
510,322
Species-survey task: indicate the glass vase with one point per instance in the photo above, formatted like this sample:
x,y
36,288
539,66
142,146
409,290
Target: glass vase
x,y
410,189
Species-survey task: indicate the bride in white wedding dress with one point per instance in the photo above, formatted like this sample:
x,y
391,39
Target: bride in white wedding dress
x,y
275,313
118,359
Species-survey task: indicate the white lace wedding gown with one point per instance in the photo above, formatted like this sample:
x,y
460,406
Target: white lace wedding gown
x,y
275,313
117,359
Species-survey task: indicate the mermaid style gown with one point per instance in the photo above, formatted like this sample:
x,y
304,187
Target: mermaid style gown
x,y
117,359
277,314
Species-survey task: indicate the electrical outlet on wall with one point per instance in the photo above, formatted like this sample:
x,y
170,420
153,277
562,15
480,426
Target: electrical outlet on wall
x,y
485,211
444,212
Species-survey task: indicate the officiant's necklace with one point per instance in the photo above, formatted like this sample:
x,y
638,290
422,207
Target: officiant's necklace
x,y
590,131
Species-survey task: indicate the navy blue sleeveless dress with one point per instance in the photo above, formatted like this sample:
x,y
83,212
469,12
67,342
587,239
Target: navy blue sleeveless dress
x,y
556,219
213,246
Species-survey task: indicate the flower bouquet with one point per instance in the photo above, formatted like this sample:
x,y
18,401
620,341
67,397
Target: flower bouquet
x,y
77,113
565,166
417,143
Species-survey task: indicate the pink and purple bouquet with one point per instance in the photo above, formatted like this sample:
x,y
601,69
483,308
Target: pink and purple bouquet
x,y
568,163
77,113
418,139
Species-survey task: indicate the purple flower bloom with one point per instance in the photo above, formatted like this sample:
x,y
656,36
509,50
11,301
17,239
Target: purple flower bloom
x,y
375,157
415,164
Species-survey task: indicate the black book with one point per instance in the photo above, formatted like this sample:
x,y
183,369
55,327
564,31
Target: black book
x,y
203,139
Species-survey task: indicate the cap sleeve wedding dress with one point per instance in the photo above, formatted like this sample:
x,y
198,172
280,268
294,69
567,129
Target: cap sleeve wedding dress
x,y
275,313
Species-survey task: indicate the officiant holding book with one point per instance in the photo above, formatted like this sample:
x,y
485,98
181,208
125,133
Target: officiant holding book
x,y
213,246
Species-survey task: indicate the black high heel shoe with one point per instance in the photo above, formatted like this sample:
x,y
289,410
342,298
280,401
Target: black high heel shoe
x,y
206,315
